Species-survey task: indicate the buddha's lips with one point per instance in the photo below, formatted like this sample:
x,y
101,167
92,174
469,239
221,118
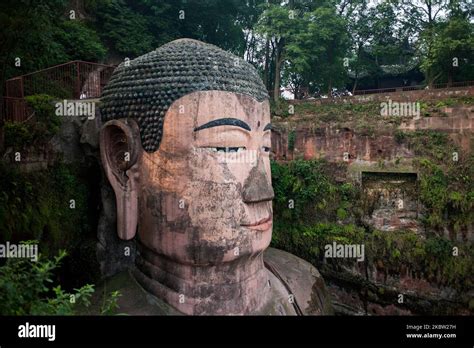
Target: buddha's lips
x,y
261,225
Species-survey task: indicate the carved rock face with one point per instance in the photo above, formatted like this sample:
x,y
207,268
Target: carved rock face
x,y
205,196
190,169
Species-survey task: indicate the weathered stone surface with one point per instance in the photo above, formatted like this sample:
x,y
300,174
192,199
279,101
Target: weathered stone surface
x,y
379,152
31,159
331,141
310,294
133,300
302,280
67,141
90,132
393,200
113,254
369,289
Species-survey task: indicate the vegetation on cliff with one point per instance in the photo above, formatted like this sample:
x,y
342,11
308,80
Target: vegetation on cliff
x,y
38,206
311,210
446,179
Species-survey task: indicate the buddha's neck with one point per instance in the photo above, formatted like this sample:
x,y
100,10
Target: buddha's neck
x,y
238,287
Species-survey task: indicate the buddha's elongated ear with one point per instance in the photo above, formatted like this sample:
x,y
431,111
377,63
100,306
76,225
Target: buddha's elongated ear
x,y
120,147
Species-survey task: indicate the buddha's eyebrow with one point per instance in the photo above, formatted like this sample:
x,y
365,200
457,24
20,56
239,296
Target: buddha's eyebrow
x,y
224,122
267,127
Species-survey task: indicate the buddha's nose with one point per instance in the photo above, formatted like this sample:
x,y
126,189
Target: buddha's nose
x,y
257,187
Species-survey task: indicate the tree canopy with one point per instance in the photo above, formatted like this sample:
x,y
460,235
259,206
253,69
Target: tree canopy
x,y
303,45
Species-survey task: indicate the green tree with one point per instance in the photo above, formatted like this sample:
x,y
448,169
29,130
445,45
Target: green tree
x,y
422,17
277,24
41,34
451,54
318,49
360,62
124,30
80,41
28,28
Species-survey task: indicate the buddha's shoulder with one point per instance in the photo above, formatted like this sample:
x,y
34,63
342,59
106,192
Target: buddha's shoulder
x,y
132,300
302,280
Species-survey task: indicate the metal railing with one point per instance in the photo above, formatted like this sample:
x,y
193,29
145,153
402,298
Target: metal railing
x,y
14,110
415,88
73,80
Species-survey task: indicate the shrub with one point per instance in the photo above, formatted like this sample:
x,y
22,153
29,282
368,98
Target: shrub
x,y
35,132
313,193
18,134
43,106
25,289
291,140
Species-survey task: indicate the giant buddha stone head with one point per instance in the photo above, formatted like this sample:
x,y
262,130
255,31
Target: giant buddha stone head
x,y
185,145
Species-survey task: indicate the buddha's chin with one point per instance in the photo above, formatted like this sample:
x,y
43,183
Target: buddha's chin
x,y
262,237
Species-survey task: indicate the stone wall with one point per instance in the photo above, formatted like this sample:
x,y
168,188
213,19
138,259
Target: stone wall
x,y
368,289
30,159
393,201
77,143
331,142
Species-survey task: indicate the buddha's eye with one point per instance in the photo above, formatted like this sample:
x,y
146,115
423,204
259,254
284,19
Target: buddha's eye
x,y
266,148
227,149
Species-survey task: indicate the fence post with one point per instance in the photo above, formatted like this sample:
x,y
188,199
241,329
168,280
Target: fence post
x,y
22,87
78,82
2,123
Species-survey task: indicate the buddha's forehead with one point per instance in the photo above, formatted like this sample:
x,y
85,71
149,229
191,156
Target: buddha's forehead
x,y
215,105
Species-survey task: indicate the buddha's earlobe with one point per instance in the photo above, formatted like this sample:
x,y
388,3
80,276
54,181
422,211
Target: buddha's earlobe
x,y
120,148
